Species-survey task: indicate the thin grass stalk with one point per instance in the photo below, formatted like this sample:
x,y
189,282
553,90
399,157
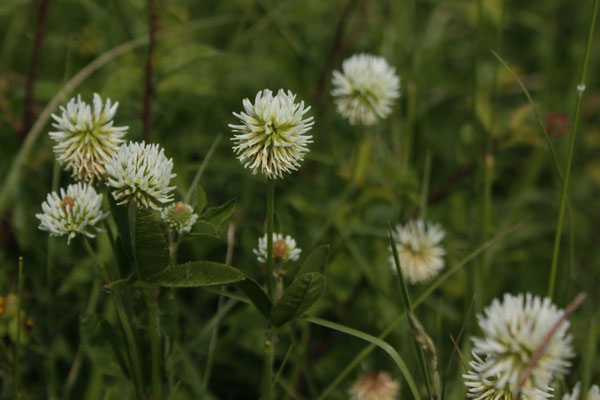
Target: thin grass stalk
x,y
215,330
408,310
203,165
52,387
425,185
17,369
576,118
78,361
134,357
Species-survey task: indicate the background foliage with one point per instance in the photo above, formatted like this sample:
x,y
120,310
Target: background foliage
x,y
458,103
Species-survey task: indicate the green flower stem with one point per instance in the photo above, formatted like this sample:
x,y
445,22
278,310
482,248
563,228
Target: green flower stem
x,y
267,380
16,377
267,388
565,188
151,296
270,212
134,358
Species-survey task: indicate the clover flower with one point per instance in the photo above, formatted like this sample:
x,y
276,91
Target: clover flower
x,y
366,88
86,139
179,216
271,138
284,249
514,329
141,172
419,250
480,386
74,211
593,393
375,386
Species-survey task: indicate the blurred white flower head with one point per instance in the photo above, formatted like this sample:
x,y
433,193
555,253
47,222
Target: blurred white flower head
x,y
284,249
513,330
593,393
141,172
86,139
366,88
74,211
419,250
272,135
179,216
375,386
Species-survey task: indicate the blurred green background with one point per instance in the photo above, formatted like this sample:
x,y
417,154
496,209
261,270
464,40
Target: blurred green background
x,y
458,102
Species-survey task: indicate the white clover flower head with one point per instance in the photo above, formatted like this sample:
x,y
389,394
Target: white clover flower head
x,y
74,211
513,330
86,139
375,386
419,250
366,88
271,138
284,249
593,393
141,172
179,216
480,386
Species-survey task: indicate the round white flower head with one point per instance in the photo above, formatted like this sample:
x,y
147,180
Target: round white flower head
x,y
86,139
272,136
366,88
73,211
593,393
141,172
284,249
419,250
514,329
481,387
375,386
179,216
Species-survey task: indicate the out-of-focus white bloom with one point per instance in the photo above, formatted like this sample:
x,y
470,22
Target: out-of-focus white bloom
x,y
593,393
271,138
284,249
179,216
74,211
419,250
141,172
514,329
366,88
86,139
375,386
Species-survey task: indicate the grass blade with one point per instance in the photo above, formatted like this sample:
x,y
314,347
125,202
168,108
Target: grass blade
x,y
375,342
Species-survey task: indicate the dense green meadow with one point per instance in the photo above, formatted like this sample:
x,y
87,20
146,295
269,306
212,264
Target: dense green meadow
x,y
478,142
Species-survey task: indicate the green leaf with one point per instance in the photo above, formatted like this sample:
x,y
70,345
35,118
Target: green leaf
x,y
200,199
316,261
217,215
101,344
257,295
151,251
302,293
197,273
204,228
